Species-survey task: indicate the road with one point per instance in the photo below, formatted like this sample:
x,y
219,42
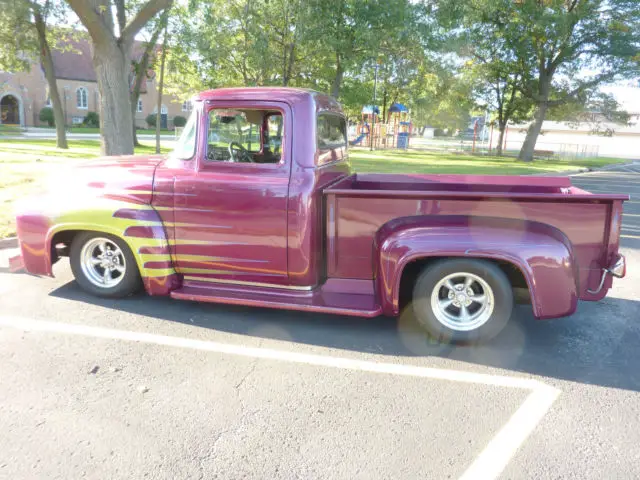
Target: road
x,y
155,388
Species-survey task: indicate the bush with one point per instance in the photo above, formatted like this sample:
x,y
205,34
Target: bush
x,y
46,115
151,120
91,120
179,121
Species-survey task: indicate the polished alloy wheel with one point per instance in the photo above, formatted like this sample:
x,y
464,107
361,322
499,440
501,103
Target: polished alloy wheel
x,y
462,301
102,262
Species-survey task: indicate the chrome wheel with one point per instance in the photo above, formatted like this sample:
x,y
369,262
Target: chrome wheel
x,y
462,301
102,262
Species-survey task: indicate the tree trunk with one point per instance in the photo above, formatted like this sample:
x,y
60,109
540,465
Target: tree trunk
x,y
160,87
529,145
502,127
289,52
47,64
111,63
112,67
337,80
141,74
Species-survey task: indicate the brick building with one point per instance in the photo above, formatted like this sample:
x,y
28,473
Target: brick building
x,y
24,94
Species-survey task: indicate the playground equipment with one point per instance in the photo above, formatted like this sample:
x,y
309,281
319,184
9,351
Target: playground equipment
x,y
367,126
393,134
399,125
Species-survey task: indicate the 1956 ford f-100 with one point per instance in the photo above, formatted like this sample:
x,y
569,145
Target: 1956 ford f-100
x,y
257,205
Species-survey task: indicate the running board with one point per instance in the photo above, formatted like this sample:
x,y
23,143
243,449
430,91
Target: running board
x,y
315,300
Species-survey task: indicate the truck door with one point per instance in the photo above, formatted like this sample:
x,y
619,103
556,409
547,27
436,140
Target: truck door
x,y
230,213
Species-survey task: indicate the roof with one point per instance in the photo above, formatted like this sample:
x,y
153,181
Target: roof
x,y
72,60
398,108
289,95
75,62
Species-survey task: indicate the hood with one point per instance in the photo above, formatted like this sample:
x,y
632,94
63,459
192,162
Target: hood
x,y
128,178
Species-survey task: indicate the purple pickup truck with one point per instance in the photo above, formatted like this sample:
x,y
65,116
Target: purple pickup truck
x,y
257,205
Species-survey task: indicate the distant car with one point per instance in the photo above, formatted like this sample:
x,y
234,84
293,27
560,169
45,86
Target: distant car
x,y
273,216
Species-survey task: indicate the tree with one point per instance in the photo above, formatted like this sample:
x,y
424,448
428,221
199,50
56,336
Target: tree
x,y
564,49
141,71
494,75
46,116
25,34
441,98
348,34
599,110
163,58
111,60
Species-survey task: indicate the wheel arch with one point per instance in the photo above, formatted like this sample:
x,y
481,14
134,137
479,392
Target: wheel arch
x,y
536,253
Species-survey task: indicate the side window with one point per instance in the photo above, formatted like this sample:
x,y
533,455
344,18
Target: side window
x,y
244,136
186,145
331,131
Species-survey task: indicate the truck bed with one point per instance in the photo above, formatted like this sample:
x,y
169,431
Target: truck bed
x,y
360,204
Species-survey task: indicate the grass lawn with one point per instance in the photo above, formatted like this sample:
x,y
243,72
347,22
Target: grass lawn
x,y
25,163
10,130
144,131
443,162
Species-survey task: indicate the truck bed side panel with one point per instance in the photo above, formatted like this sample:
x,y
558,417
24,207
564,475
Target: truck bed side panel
x,y
357,219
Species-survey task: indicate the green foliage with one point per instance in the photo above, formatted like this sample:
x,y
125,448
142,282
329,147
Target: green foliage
x,y
151,120
554,51
179,121
46,116
600,111
92,119
18,43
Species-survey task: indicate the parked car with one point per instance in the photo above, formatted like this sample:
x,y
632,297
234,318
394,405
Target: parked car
x,y
274,217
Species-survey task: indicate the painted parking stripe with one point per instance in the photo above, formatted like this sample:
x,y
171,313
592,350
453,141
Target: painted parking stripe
x,y
487,466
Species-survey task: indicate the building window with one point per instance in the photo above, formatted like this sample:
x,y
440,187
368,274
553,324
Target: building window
x,y
163,110
82,98
186,106
47,103
139,108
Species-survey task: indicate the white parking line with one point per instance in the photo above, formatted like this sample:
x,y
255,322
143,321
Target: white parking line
x,y
488,465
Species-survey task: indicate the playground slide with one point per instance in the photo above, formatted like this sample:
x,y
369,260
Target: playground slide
x,y
359,139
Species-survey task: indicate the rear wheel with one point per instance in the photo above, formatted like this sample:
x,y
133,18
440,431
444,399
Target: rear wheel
x,y
462,300
104,265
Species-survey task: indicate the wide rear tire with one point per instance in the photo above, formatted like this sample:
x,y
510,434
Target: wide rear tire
x,y
462,300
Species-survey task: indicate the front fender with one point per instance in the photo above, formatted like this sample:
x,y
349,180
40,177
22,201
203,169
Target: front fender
x,y
540,252
139,225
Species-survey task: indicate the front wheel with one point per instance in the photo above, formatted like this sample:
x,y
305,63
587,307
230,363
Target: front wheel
x,y
103,265
462,300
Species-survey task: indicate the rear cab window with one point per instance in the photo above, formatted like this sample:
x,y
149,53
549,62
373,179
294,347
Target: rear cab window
x,y
331,137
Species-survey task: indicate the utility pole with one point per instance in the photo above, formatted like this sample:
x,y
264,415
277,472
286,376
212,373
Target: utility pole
x,y
373,112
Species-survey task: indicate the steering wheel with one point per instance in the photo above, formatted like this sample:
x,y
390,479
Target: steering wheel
x,y
241,154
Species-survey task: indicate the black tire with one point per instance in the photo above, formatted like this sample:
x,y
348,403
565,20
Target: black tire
x,y
426,282
128,285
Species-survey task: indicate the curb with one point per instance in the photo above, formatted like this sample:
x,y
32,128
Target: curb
x,y
11,242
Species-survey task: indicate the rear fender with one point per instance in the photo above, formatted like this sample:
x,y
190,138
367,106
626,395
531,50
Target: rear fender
x,y
540,252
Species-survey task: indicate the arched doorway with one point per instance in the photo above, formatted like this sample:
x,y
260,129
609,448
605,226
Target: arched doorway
x,y
10,110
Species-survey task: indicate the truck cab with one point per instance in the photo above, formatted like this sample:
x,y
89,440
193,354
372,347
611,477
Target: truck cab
x,y
257,205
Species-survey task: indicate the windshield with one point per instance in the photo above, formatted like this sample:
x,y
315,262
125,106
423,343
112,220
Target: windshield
x,y
186,145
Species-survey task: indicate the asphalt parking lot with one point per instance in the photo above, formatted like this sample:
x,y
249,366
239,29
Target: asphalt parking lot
x,y
155,388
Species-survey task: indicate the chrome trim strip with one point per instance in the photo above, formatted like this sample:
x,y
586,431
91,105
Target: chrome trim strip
x,y
245,283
